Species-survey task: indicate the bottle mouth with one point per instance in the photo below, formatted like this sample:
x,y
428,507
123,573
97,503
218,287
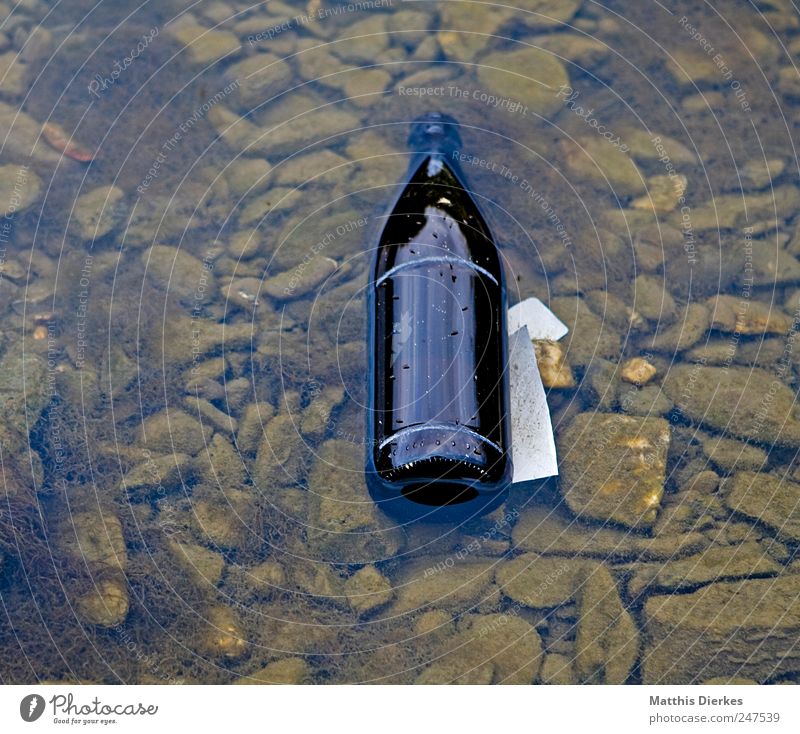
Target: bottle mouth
x,y
434,132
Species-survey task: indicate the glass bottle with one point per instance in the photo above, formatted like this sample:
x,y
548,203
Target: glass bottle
x,y
438,428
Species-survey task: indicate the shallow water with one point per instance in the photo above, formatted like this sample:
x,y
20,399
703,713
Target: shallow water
x,y
183,344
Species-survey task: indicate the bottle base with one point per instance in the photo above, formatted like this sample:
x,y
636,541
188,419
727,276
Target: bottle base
x,y
433,501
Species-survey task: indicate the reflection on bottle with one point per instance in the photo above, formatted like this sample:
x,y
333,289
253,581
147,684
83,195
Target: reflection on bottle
x,y
439,437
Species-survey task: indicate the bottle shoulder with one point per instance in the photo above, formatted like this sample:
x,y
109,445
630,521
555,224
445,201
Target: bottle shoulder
x,y
435,217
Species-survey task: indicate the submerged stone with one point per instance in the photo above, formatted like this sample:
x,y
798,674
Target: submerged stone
x,y
368,589
546,13
557,670
543,531
99,212
652,299
467,30
202,565
94,538
19,189
768,499
731,455
637,371
300,280
539,582
607,640
750,627
173,431
179,273
646,401
345,525
745,316
204,45
751,404
530,76
495,648
600,384
24,390
613,467
106,605
21,137
260,77
598,160
664,193
445,583
220,634
223,518
690,326
289,671
717,563
590,337
553,366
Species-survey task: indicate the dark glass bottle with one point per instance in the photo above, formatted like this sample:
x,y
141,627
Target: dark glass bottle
x,y
438,429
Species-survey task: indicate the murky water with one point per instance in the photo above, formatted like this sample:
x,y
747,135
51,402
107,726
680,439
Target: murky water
x,y
183,352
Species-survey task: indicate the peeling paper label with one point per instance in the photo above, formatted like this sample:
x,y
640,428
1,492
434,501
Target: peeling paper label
x,y
542,323
533,447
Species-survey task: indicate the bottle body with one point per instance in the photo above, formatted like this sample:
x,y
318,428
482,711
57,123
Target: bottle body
x,y
439,435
